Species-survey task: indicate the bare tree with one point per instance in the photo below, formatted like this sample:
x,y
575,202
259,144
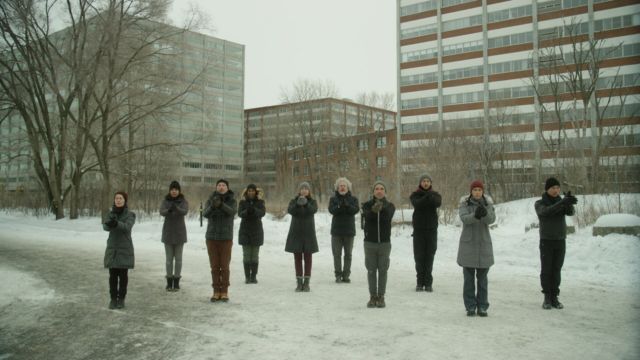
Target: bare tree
x,y
582,94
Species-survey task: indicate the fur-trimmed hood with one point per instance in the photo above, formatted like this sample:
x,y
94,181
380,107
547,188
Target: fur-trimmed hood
x,y
469,199
259,194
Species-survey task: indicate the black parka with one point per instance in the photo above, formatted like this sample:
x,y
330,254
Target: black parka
x,y
551,214
174,231
220,220
302,231
377,226
343,208
425,204
251,232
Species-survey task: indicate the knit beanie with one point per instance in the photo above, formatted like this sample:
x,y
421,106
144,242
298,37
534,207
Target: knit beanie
x,y
424,176
379,182
222,181
252,186
550,183
174,185
304,184
476,184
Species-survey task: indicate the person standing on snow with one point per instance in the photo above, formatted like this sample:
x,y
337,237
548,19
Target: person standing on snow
x,y
174,208
119,255
425,202
551,211
378,213
220,210
301,240
475,252
251,209
343,206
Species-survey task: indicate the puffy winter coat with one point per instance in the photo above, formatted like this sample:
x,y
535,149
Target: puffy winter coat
x,y
475,249
343,208
425,204
551,214
302,231
377,226
119,252
251,211
174,231
220,220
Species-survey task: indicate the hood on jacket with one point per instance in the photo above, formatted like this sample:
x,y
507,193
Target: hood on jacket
x,y
468,198
259,194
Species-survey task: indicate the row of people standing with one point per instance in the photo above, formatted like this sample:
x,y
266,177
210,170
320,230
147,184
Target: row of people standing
x,y
475,253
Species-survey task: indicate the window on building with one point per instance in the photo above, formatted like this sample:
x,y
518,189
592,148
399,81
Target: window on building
x,y
296,171
306,170
192,165
381,142
344,147
296,156
381,161
330,149
363,163
363,144
344,165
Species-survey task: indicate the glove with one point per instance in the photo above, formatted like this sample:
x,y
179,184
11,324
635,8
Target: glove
x,y
112,223
377,206
172,208
251,210
343,202
216,202
302,201
481,212
570,199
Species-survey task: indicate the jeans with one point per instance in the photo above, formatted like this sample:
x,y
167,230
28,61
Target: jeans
x,y
173,253
337,244
473,300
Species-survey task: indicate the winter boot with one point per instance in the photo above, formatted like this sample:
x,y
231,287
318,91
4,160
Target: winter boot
x,y
224,297
556,303
113,303
372,301
482,313
345,277
338,277
169,284
120,303
215,297
305,285
254,273
247,273
428,288
299,283
471,313
547,302
176,283
419,287
380,303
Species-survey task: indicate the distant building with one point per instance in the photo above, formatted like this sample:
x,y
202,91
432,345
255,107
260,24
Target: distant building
x,y
318,141
466,65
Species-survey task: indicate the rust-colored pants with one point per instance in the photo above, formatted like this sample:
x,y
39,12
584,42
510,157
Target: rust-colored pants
x,y
219,258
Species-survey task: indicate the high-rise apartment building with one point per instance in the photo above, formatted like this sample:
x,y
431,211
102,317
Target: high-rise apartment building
x,y
468,67
318,141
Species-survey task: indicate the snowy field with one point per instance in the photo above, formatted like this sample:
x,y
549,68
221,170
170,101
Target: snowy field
x,y
54,296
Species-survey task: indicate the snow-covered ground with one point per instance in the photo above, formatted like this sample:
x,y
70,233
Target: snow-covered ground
x,y
54,295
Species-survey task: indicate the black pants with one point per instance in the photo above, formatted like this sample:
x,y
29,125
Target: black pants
x,y
118,280
425,244
551,259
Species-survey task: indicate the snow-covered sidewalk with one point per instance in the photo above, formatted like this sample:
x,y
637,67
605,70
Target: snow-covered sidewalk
x,y
54,297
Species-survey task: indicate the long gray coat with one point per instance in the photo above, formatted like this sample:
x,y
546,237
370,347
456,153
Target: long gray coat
x,y
302,231
119,252
174,231
220,224
475,250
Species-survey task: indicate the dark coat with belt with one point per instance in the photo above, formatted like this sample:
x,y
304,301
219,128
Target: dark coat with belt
x,y
377,226
251,212
119,252
551,214
425,204
302,231
220,220
174,231
475,249
343,208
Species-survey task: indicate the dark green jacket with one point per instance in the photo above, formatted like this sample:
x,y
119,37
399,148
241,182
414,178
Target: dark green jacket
x,y
174,231
119,252
302,231
220,224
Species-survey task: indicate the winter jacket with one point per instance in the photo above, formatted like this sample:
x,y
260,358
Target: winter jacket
x,y
343,208
551,214
302,231
220,220
475,249
174,231
425,204
377,226
119,252
251,212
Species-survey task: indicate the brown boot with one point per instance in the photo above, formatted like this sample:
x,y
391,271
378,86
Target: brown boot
x,y
380,303
372,301
224,297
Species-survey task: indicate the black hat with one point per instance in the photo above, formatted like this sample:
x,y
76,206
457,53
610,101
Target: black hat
x,y
252,186
222,181
551,182
174,185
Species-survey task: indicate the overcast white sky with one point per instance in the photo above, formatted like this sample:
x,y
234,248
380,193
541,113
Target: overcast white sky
x,y
350,42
